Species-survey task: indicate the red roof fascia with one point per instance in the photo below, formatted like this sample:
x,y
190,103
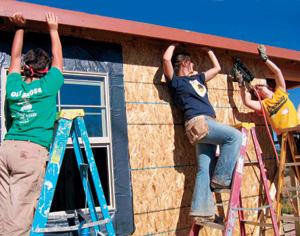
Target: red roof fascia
x,y
78,19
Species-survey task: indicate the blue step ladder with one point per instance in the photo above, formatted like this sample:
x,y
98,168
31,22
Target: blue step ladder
x,y
71,124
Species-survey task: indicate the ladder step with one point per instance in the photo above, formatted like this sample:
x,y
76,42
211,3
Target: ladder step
x,y
290,189
212,225
219,190
70,228
289,218
251,209
292,129
292,197
257,223
251,163
291,164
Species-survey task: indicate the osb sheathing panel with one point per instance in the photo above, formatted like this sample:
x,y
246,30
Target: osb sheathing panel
x,y
162,161
164,150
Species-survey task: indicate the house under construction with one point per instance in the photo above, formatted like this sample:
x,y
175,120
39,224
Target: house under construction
x,y
113,70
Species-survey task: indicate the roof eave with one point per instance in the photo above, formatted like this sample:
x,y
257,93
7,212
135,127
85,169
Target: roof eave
x,y
79,19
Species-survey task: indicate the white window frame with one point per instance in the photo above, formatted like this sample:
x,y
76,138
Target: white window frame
x,y
96,142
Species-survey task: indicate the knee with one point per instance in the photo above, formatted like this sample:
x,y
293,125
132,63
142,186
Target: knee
x,y
237,137
203,165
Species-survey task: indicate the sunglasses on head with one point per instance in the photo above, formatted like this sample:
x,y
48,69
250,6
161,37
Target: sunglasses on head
x,y
260,86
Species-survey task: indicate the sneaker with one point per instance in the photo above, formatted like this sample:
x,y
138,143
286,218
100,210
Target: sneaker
x,y
219,186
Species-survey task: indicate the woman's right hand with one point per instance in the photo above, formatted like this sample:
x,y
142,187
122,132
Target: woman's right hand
x,y
18,19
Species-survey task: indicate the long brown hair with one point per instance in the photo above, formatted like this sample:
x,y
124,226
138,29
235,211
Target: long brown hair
x,y
38,60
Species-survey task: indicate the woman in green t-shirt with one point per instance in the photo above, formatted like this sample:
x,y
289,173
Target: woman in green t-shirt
x,y
32,103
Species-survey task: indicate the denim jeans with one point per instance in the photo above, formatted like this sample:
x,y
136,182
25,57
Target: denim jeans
x,y
220,169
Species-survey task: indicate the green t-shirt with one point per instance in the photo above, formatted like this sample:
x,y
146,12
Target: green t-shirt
x,y
33,107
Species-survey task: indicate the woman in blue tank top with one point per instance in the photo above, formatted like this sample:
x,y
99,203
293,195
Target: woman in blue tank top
x,y
189,92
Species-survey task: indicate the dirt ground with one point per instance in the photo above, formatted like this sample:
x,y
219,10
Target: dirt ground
x,y
288,227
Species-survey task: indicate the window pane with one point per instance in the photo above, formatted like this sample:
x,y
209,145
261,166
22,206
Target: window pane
x,y
95,121
80,94
69,194
88,93
82,77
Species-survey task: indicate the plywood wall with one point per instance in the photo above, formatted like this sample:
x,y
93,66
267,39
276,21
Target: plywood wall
x,y
163,164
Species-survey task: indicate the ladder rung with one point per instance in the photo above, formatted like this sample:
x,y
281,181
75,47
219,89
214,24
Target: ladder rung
x,y
70,228
221,204
251,209
219,190
251,163
289,218
297,157
290,189
292,164
212,225
257,223
92,224
293,196
291,129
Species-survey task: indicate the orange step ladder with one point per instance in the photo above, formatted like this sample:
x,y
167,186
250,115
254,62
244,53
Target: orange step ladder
x,y
288,139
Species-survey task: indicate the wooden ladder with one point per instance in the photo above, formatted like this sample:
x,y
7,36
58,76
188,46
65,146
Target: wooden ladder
x,y
288,139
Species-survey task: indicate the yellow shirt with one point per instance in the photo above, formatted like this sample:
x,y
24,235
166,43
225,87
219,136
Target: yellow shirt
x,y
281,112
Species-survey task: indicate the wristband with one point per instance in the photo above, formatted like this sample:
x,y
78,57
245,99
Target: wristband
x,y
265,59
19,27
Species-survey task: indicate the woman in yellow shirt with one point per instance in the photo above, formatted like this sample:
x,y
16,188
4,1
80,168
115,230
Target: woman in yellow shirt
x,y
279,109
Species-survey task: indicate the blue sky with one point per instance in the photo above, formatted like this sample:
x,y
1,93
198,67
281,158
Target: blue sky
x,y
270,22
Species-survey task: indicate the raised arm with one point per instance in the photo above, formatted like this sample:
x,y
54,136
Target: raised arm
x,y
56,48
216,68
248,102
167,61
279,79
16,50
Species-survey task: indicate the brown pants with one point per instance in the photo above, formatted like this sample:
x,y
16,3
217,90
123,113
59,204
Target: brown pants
x,y
22,172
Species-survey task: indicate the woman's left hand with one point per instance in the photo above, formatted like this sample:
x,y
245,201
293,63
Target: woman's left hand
x,y
52,21
207,49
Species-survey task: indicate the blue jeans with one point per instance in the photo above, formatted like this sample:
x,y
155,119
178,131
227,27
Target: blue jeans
x,y
220,169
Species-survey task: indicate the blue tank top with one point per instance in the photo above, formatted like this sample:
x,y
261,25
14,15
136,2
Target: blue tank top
x,y
190,95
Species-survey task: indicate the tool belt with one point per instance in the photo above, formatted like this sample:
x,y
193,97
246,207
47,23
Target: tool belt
x,y
196,128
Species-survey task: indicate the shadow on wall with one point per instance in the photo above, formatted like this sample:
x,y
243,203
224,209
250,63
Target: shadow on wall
x,y
183,155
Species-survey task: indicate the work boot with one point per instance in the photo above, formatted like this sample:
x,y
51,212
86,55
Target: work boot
x,y
219,186
262,53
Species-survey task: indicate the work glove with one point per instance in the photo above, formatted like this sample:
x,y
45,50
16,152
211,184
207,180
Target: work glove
x,y
239,78
249,87
262,53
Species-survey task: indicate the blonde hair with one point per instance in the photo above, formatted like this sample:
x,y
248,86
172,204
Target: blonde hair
x,y
264,85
